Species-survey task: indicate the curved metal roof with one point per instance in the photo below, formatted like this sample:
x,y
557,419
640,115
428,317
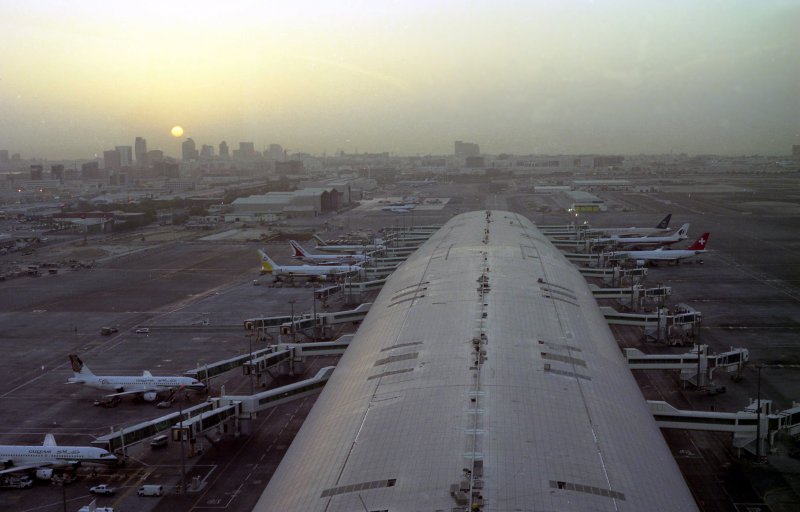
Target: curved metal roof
x,y
483,375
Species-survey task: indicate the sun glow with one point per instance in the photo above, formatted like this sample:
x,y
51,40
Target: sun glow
x,y
176,131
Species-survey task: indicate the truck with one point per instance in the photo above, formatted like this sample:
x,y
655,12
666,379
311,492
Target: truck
x,y
102,489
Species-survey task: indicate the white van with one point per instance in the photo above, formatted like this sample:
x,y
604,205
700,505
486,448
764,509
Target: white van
x,y
159,441
150,490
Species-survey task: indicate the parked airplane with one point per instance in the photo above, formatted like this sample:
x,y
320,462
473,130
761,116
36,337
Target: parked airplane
x,y
44,458
660,228
675,237
669,255
323,246
312,271
399,208
325,259
144,385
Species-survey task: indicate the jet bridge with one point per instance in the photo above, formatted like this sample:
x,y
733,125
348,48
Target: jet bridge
x,y
582,246
327,319
695,367
746,426
674,328
292,356
633,296
207,371
214,418
389,262
264,363
128,436
193,421
616,275
373,273
251,405
265,324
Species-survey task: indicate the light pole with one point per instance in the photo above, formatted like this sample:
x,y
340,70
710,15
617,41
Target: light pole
x,y
183,456
250,339
758,414
314,301
291,326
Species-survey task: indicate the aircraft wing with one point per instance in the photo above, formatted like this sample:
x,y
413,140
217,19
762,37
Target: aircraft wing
x,y
26,467
133,392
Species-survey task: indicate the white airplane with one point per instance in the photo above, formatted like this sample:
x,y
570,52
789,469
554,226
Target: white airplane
x,y
669,255
675,237
660,228
325,259
144,385
323,246
400,208
44,458
312,271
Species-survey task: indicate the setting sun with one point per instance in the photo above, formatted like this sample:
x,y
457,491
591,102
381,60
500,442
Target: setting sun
x,y
176,131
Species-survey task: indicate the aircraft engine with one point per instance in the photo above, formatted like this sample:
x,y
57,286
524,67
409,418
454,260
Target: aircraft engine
x,y
44,474
640,263
150,396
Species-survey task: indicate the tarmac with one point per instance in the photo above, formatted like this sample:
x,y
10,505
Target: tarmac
x,y
193,291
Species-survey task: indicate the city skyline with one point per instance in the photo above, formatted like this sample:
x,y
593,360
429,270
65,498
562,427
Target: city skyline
x,y
614,77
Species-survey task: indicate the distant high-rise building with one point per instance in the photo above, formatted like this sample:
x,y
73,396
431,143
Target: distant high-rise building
x,y
223,150
154,155
796,150
125,156
275,152
91,170
465,149
189,150
112,160
57,172
140,151
166,169
246,151
207,151
16,157
36,172
3,156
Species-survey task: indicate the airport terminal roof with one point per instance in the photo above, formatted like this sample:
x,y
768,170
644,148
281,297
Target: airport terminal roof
x,y
484,373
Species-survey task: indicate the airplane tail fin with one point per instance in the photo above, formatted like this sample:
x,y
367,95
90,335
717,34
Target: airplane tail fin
x,y
49,440
267,265
700,243
319,240
682,232
299,252
78,368
664,224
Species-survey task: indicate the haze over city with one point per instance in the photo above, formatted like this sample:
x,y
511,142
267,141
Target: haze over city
x,y
407,77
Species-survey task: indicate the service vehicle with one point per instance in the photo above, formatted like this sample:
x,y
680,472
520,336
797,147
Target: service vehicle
x,y
102,489
150,490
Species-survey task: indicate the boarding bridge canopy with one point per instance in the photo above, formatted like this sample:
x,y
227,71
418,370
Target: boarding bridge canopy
x,y
206,421
253,404
128,436
206,372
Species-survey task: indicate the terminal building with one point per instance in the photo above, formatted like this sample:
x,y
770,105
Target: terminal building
x,y
306,202
484,377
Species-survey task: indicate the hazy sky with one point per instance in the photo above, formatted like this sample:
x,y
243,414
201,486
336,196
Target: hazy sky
x,y
410,76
